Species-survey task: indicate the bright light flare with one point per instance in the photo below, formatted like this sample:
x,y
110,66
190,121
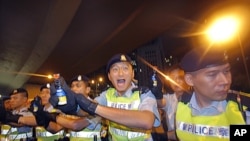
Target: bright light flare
x,y
160,72
100,79
29,74
223,29
50,76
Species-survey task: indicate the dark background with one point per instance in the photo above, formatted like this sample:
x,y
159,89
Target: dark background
x,y
79,36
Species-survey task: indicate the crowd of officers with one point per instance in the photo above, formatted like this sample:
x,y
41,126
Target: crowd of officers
x,y
39,120
125,111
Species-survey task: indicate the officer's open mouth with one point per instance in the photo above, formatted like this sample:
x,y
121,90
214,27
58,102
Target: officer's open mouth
x,y
121,81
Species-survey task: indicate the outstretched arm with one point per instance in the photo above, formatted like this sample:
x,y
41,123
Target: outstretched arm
x,y
130,118
72,122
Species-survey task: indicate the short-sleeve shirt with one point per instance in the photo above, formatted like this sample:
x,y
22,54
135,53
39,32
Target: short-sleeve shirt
x,y
170,110
25,112
148,102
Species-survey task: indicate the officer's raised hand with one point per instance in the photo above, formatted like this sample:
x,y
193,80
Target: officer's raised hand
x,y
62,97
155,86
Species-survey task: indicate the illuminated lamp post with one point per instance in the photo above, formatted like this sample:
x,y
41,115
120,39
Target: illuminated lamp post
x,y
224,29
97,84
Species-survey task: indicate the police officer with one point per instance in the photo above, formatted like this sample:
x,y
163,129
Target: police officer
x,y
208,114
3,109
131,111
80,85
41,132
7,119
53,120
169,101
19,105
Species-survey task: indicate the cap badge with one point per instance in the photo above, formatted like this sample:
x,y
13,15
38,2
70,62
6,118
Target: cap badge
x,y
15,91
123,58
79,78
48,85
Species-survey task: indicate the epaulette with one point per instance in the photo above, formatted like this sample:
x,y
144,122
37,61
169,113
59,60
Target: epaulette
x,y
186,97
241,103
232,95
141,89
248,109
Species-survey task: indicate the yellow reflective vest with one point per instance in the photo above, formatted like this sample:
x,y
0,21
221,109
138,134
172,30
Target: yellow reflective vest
x,y
206,128
86,135
120,132
11,133
44,135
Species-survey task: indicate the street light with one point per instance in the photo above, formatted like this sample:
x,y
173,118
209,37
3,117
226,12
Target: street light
x,y
224,29
96,83
100,79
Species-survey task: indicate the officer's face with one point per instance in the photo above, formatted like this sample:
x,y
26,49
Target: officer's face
x,y
18,101
45,95
210,84
80,87
7,104
177,76
121,75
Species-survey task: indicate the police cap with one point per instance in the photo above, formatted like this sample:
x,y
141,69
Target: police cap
x,y
80,78
199,58
19,90
45,86
118,58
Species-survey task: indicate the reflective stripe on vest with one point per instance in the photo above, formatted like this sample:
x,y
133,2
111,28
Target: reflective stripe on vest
x,y
6,129
84,134
41,132
48,134
128,134
20,136
212,128
118,131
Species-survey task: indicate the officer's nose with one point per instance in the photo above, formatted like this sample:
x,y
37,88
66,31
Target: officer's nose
x,y
224,78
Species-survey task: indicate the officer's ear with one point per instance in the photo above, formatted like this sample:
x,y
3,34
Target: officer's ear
x,y
109,76
189,79
88,89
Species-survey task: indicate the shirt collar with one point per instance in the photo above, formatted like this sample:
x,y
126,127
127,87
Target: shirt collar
x,y
23,109
215,108
128,92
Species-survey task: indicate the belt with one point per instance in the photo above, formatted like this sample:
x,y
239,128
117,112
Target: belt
x,y
19,136
84,134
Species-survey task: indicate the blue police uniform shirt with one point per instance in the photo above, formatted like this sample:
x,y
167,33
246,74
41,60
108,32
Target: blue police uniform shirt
x,y
215,108
148,102
25,112
170,110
